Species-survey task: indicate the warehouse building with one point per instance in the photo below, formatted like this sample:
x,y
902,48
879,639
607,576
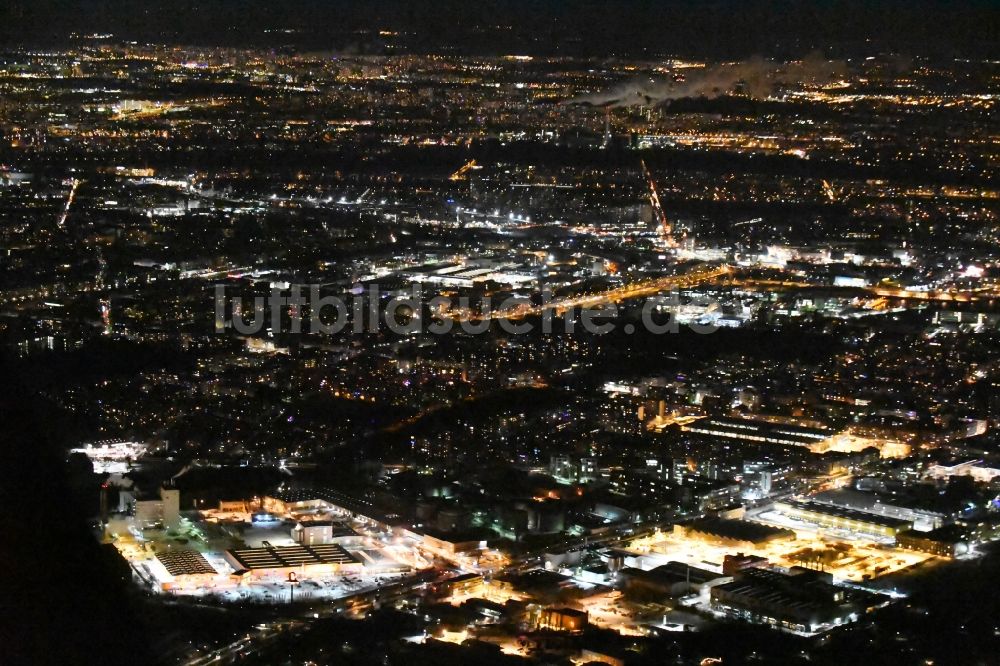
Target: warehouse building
x,y
763,432
735,533
306,502
893,506
673,580
835,517
801,601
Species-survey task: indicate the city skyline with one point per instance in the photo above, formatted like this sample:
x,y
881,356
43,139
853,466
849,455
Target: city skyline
x,y
512,332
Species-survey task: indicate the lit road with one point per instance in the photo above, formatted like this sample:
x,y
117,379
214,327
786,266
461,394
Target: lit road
x,y
961,296
74,186
624,293
654,202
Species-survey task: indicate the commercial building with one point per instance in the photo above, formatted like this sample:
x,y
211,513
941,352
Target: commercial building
x,y
184,568
266,561
184,562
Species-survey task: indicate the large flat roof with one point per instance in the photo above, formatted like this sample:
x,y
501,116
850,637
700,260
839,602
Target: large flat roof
x,y
859,500
283,557
184,562
727,528
796,593
674,572
356,505
813,506
758,430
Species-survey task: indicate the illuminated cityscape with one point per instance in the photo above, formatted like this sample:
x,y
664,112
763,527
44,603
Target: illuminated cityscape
x,y
391,333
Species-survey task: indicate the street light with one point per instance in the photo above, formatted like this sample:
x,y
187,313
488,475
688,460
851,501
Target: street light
x,y
293,580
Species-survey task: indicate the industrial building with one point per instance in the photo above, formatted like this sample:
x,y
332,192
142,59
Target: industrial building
x,y
451,543
472,271
952,540
894,506
782,433
467,583
735,533
945,541
834,517
802,601
563,619
673,580
732,564
753,430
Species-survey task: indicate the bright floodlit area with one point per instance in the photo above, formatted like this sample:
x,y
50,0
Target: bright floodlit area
x,y
378,559
611,610
857,561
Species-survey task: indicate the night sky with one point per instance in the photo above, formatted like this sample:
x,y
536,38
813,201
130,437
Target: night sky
x,y
714,28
